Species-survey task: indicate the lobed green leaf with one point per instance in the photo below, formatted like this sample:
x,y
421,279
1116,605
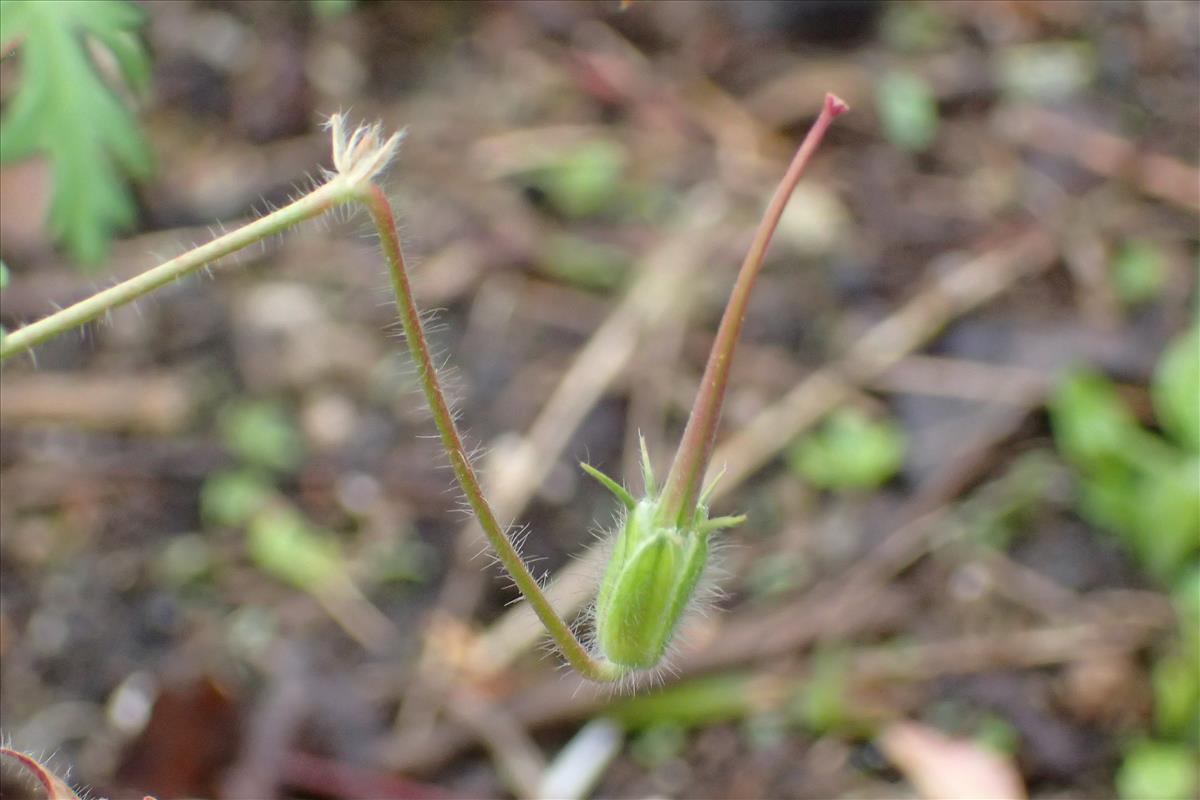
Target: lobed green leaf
x,y
64,110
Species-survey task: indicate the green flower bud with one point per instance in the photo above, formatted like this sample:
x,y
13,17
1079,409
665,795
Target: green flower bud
x,y
651,576
647,584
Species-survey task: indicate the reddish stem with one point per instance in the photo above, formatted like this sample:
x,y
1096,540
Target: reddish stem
x,y
684,482
56,788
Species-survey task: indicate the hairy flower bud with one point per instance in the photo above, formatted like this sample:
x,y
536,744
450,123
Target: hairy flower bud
x,y
651,574
648,582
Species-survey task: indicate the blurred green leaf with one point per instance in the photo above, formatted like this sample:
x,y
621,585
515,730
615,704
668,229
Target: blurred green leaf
x,y
1157,771
284,545
1167,518
1176,681
916,26
1185,595
1176,390
849,451
63,109
1091,424
998,734
689,704
584,263
261,433
231,497
1139,271
1108,501
1047,70
586,180
330,9
822,705
185,559
907,109
1131,481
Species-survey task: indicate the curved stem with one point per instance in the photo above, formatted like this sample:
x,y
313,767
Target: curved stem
x,y
574,651
314,204
360,156
682,488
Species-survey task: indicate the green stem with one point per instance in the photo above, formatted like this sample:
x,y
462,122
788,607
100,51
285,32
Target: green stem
x,y
358,156
575,653
336,192
684,482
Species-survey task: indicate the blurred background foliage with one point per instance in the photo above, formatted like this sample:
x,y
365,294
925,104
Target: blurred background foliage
x,y
964,422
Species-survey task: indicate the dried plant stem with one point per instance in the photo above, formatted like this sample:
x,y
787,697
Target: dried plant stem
x,y
575,653
337,191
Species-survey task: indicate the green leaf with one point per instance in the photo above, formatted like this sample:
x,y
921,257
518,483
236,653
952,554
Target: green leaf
x,y
1091,425
1185,596
1107,500
584,263
822,706
1159,770
916,26
262,434
232,497
850,451
1139,272
283,544
330,9
1176,390
908,110
998,734
64,110
586,180
1176,681
1167,518
695,703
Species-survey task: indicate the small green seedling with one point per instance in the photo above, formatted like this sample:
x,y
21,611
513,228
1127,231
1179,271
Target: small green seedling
x,y
850,451
1145,488
1139,272
908,111
1142,486
660,548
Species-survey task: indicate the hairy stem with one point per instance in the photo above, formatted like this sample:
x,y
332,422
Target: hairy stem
x,y
361,155
684,482
358,156
54,787
336,192
575,653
